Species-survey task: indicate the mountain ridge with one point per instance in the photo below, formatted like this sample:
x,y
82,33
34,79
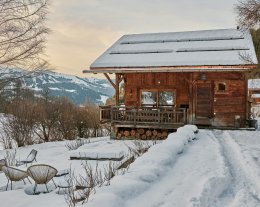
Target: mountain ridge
x,y
77,89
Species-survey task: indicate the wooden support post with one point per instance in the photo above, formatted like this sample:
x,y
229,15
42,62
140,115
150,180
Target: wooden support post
x,y
109,79
117,90
248,106
191,118
119,78
248,103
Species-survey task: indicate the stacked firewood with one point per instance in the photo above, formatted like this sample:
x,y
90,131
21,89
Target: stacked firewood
x,y
144,134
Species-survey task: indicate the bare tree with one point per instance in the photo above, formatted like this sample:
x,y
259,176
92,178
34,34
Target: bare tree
x,y
93,121
22,32
248,17
20,122
248,12
66,118
47,118
48,112
6,138
82,122
22,37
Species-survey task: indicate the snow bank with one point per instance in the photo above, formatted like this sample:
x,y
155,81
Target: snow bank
x,y
144,171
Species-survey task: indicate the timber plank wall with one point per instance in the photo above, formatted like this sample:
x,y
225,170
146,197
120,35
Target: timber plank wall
x,y
156,81
230,103
225,105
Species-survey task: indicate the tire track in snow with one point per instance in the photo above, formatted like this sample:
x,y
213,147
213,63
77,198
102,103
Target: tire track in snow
x,y
182,184
241,190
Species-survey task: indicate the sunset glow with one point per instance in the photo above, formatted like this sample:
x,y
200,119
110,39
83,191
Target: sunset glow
x,y
82,30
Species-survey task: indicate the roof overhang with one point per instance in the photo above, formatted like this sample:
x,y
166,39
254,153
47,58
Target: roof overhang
x,y
173,69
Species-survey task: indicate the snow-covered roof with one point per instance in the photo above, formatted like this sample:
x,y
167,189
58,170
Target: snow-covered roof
x,y
225,47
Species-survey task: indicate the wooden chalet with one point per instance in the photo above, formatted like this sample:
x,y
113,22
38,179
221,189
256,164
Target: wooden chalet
x,y
173,79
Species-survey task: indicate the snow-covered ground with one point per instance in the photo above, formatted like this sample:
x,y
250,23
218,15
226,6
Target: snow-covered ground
x,y
217,169
58,156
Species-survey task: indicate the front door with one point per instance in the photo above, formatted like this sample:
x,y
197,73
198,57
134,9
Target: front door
x,y
203,102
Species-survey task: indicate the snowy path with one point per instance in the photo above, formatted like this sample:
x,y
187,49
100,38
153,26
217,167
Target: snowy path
x,y
242,188
186,179
212,171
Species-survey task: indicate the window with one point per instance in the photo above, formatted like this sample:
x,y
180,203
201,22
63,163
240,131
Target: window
x,y
158,98
221,87
149,98
166,98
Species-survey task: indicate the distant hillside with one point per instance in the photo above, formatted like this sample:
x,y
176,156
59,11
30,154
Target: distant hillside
x,y
77,89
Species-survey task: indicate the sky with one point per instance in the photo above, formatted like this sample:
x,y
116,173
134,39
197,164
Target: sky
x,y
83,29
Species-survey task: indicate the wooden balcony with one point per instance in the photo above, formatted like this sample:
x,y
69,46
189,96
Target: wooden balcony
x,y
143,117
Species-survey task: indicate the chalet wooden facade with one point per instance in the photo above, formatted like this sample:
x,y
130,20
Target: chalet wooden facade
x,y
172,79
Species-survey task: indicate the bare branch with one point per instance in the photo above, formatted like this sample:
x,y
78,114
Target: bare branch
x,y
23,33
248,13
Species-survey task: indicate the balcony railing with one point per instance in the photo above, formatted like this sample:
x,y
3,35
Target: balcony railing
x,y
149,116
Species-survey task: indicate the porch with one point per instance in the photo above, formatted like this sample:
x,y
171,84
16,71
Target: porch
x,y
144,117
